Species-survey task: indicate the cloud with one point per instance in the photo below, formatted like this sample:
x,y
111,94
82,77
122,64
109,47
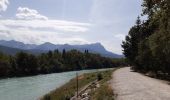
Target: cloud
x,y
39,37
48,25
25,13
32,27
111,20
30,18
3,5
40,31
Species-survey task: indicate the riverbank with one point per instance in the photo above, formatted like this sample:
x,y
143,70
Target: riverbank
x,y
69,89
32,88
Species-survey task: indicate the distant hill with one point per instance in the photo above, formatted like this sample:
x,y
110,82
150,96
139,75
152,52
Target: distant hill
x,y
16,44
10,51
12,47
13,51
93,48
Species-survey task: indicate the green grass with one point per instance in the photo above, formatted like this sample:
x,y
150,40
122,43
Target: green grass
x,y
68,90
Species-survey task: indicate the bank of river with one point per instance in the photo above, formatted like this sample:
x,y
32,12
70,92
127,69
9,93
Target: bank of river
x,y
31,88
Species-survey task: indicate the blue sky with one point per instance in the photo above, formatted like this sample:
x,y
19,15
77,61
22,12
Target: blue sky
x,y
68,21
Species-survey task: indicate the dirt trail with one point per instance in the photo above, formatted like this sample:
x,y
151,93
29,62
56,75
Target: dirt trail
x,y
129,85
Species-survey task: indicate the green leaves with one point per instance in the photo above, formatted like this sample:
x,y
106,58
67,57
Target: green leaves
x,y
24,64
149,47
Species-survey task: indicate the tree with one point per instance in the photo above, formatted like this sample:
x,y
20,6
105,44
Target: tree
x,y
14,67
130,45
50,54
64,54
144,59
24,64
4,69
149,47
33,64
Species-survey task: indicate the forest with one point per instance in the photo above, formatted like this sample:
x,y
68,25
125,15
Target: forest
x,y
147,45
25,64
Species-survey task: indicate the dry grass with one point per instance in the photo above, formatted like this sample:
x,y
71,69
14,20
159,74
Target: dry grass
x,y
104,92
68,90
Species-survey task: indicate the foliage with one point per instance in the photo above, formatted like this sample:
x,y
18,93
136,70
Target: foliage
x,y
24,64
151,52
99,76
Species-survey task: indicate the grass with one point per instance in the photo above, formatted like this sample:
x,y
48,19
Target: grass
x,y
104,92
68,90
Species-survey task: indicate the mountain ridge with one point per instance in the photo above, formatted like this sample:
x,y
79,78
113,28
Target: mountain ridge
x,y
45,47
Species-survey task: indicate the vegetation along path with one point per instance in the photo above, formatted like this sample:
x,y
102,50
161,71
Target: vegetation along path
x,y
128,85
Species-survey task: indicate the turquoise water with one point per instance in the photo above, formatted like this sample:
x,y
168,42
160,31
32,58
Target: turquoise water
x,y
32,88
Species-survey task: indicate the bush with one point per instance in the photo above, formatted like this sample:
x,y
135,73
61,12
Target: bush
x,y
47,97
99,76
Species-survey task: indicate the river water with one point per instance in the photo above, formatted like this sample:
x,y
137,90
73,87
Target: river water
x,y
32,88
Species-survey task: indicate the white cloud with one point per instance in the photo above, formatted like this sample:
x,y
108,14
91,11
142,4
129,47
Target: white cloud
x,y
40,31
25,13
48,25
32,27
109,18
3,5
30,18
37,37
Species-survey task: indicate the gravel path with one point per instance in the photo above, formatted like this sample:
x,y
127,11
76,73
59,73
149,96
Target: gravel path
x,y
129,85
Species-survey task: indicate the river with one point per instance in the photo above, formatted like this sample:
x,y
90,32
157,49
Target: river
x,y
31,88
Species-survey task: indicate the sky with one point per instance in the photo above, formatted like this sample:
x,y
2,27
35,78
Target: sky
x,y
68,21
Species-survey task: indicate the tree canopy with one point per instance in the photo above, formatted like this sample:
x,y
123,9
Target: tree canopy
x,y
147,47
24,64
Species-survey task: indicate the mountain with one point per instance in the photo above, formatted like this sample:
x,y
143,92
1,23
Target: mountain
x,y
10,51
46,46
14,46
13,51
93,48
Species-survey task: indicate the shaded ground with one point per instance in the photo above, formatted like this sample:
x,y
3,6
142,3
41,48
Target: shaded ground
x,y
129,85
